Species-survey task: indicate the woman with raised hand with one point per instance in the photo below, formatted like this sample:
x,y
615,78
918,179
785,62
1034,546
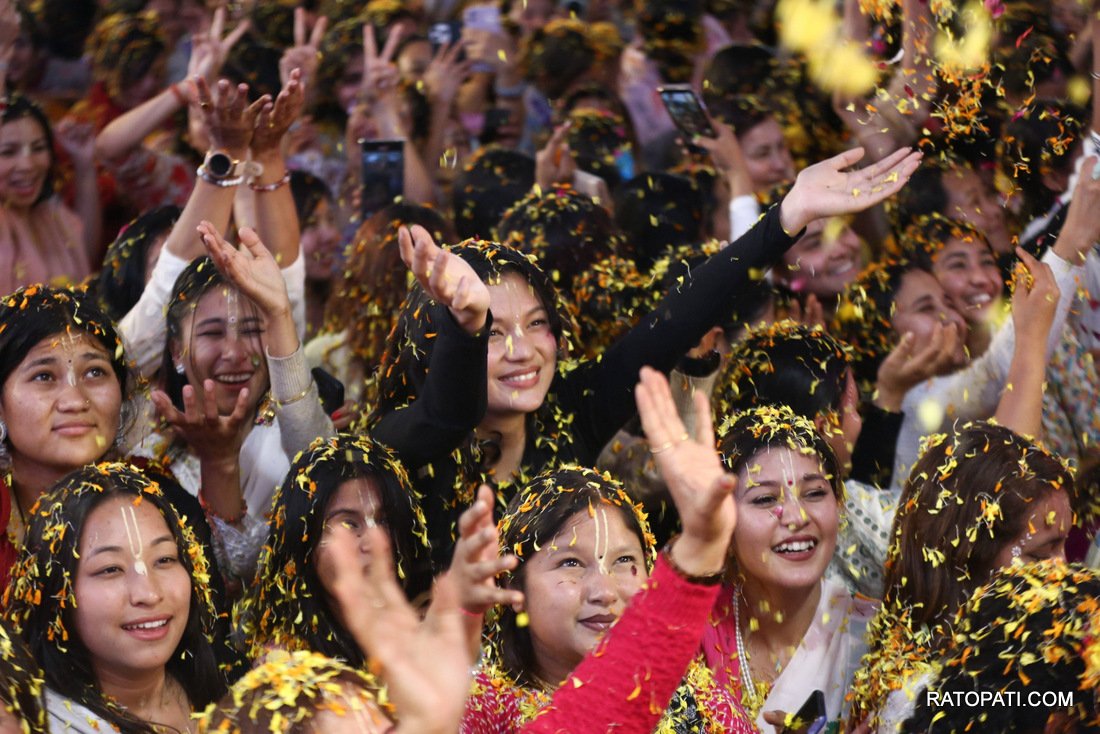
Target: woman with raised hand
x,y
473,363
587,638
232,124
780,628
110,594
238,400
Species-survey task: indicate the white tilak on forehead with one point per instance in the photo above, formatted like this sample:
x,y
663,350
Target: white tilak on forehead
x,y
603,543
232,312
69,343
370,509
133,539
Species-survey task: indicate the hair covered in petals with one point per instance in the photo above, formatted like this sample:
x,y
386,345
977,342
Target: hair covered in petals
x,y
40,600
287,606
1031,629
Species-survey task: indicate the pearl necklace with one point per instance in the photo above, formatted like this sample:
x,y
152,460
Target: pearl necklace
x,y
748,685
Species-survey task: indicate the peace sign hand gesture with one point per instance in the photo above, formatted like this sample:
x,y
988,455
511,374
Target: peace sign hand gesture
x,y
380,75
209,50
303,54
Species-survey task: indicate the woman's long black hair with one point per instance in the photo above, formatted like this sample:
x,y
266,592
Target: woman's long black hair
x,y
40,601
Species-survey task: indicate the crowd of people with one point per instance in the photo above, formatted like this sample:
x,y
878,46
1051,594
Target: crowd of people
x,y
381,365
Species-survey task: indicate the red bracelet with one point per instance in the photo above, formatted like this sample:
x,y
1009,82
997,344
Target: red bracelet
x,y
228,520
271,186
184,102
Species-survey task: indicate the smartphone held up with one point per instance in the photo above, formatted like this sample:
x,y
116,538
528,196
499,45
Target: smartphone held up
x,y
383,164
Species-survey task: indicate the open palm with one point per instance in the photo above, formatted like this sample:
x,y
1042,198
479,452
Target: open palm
x,y
252,269
826,189
698,482
446,277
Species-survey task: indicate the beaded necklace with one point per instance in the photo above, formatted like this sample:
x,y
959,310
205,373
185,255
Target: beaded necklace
x,y
752,696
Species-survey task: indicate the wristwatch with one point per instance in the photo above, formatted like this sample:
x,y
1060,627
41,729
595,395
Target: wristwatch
x,y
221,169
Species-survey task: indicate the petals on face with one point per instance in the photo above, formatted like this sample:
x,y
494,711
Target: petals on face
x,y
787,519
355,506
577,584
1044,534
824,260
223,341
68,401
522,349
970,277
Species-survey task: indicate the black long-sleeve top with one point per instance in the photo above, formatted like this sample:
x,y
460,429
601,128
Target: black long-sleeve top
x,y
587,401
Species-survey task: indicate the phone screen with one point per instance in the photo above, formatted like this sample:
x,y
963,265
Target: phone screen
x,y
441,34
483,18
383,174
686,111
811,718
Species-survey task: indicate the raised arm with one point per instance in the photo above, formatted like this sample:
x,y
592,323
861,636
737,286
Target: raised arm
x,y
381,87
230,122
1036,294
254,271
710,292
276,216
78,140
626,684
895,115
127,131
453,398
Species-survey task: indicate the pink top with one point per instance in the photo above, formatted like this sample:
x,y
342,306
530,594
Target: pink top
x,y
42,245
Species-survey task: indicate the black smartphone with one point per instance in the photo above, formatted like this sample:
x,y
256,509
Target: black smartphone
x,y
811,718
686,110
495,119
329,389
383,174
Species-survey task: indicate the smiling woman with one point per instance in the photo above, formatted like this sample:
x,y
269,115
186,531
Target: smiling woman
x,y
780,628
63,381
110,595
40,238
484,315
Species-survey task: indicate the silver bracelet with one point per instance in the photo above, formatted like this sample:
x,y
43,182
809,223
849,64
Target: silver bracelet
x,y
223,182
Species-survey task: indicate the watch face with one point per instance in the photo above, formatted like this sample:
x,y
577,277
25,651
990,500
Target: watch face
x,y
219,165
